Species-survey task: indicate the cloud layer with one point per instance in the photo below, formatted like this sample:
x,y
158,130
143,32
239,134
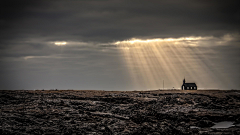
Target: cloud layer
x,y
113,20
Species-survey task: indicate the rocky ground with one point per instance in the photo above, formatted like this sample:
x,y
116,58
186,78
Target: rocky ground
x,y
118,112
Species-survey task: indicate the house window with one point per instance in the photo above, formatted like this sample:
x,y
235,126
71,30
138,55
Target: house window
x,y
187,87
195,88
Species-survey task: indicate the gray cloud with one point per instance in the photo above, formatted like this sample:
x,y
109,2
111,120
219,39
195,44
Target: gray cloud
x,y
118,20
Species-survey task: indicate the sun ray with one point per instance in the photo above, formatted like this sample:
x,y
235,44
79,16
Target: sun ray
x,y
148,67
183,58
142,66
154,60
155,71
202,69
208,65
170,69
128,59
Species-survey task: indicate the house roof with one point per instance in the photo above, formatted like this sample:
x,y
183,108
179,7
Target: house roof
x,y
190,84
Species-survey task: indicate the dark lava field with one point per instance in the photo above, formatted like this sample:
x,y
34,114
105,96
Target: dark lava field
x,y
119,112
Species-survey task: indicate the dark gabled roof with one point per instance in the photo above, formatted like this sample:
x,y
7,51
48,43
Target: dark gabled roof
x,y
190,84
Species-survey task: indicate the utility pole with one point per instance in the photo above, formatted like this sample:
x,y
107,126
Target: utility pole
x,y
163,84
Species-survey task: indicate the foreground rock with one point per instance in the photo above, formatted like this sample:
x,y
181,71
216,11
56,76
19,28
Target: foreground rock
x,y
105,112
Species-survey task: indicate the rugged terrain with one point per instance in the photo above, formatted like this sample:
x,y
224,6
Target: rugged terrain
x,y
118,112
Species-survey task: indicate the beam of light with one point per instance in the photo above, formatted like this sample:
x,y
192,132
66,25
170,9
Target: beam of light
x,y
208,65
60,43
171,70
188,62
150,61
146,63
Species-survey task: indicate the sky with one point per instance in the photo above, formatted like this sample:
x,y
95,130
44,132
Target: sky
x,y
119,44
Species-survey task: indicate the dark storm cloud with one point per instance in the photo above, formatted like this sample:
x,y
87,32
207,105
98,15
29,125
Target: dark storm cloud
x,y
110,20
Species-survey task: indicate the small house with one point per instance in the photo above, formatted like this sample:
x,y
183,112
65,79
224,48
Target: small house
x,y
188,86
